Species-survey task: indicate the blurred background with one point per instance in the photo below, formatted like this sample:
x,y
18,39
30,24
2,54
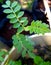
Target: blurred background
x,y
26,4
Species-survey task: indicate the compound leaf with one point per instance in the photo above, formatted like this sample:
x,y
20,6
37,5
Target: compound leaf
x,y
20,14
14,4
10,16
7,11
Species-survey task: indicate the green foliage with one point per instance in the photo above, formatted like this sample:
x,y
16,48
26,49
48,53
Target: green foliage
x,y
15,15
29,3
14,20
37,27
23,19
31,55
5,6
20,14
7,11
24,53
2,53
39,61
1,1
11,62
16,25
10,16
20,29
20,41
46,63
14,4
8,3
17,8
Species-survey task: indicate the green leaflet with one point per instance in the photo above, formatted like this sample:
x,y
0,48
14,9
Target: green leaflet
x,y
14,4
17,8
14,37
38,60
31,55
22,37
27,44
5,6
25,23
7,11
23,19
20,14
11,62
27,28
1,59
19,47
1,55
8,3
14,20
10,16
21,43
45,63
16,25
23,53
20,29
18,62
17,43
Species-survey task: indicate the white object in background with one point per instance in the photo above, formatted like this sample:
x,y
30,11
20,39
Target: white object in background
x,y
47,11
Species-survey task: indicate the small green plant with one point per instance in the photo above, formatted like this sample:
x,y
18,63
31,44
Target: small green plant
x,y
21,41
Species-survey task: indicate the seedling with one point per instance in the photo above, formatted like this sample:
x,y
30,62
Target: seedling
x,y
21,41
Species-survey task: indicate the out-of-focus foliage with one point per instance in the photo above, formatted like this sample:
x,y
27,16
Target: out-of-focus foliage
x,y
1,1
27,4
